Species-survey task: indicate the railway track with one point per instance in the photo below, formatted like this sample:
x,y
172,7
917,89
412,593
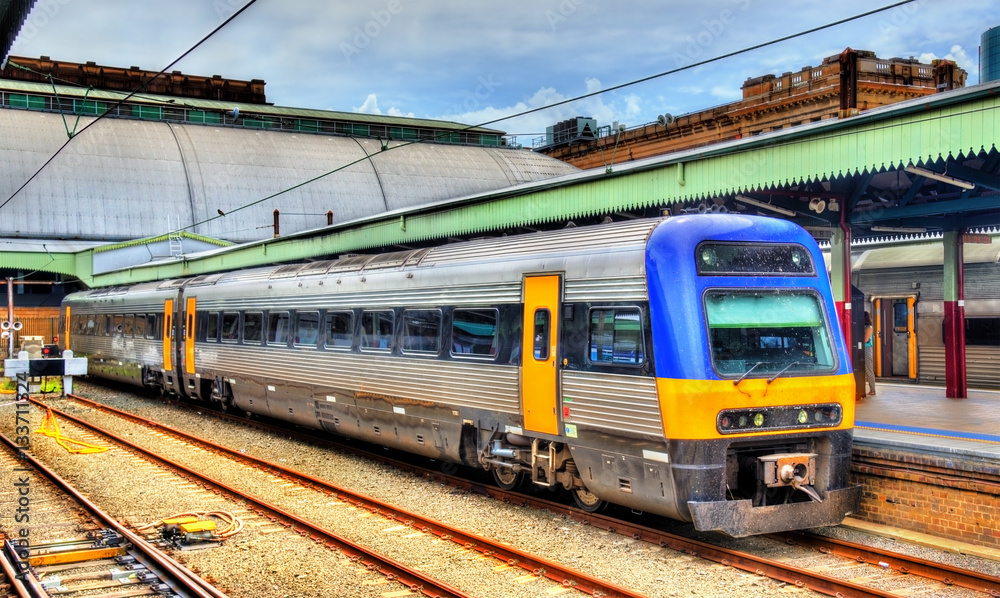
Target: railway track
x,y
58,542
824,565
532,567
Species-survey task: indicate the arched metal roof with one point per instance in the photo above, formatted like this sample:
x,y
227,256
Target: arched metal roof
x,y
125,179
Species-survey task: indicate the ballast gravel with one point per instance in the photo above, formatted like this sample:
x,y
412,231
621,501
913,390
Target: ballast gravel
x,y
268,558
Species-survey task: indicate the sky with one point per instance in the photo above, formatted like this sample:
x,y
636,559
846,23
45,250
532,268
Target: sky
x,y
477,62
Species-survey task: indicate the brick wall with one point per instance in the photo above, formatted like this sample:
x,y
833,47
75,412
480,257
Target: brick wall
x,y
948,497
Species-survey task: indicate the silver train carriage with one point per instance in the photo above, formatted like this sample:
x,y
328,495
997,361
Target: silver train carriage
x,y
690,367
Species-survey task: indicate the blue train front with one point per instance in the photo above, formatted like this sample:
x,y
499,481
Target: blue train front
x,y
754,386
689,367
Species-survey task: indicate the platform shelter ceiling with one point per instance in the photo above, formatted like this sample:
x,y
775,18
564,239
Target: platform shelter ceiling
x,y
858,163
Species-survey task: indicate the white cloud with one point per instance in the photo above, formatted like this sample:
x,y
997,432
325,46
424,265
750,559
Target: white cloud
x,y
370,106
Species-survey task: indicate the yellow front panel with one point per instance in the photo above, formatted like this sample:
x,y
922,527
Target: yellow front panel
x,y
690,407
189,336
168,321
538,376
67,328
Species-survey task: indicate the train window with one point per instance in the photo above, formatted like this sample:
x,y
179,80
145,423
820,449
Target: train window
x,y
541,334
140,326
253,326
768,332
900,317
474,332
339,329
230,326
306,328
982,331
101,326
277,328
376,330
212,327
421,331
152,330
616,335
116,324
128,324
737,258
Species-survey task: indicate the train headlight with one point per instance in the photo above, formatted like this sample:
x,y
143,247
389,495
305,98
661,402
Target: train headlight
x,y
709,257
733,421
797,257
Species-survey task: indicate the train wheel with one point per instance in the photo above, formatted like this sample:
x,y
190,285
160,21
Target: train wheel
x,y
507,478
587,500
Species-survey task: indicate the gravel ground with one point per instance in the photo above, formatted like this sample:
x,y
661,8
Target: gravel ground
x,y
647,569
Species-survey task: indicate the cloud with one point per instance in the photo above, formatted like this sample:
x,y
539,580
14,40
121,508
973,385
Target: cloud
x,y
370,106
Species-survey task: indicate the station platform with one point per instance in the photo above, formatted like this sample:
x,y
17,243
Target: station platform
x,y
921,418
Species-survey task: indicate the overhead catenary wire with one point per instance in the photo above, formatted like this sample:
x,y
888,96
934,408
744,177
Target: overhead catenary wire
x,y
470,127
137,90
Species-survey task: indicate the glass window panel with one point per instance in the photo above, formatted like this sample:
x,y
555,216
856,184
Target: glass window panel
x,y
140,326
376,330
767,332
230,326
474,332
339,329
277,328
899,317
128,323
152,326
253,326
212,327
306,328
616,336
541,343
421,331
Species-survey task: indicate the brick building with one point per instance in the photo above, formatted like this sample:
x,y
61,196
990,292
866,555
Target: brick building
x,y
840,87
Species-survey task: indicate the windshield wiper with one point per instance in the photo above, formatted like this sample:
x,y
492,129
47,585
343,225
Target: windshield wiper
x,y
737,381
783,370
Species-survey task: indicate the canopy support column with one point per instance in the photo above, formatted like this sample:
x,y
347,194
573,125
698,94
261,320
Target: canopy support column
x,y
956,384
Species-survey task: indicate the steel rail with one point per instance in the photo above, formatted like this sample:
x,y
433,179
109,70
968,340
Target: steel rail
x,y
178,576
946,574
773,569
390,568
534,564
17,583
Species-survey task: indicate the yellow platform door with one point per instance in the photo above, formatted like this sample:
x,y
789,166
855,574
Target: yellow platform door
x,y
539,367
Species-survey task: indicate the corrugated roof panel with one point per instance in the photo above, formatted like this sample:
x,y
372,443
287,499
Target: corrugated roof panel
x,y
127,179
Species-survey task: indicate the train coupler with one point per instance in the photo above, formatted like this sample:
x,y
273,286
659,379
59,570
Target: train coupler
x,y
792,470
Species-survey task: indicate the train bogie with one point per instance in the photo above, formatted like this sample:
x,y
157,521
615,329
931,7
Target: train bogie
x,y
688,367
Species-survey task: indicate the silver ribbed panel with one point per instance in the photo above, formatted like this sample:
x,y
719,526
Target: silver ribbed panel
x,y
606,289
614,402
451,383
334,298
608,237
981,365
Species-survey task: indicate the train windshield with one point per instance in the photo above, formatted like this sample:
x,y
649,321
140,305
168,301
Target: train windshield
x,y
770,332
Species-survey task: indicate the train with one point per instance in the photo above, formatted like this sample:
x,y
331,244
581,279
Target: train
x,y
903,286
690,367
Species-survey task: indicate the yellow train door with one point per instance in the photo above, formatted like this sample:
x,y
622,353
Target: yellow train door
x,y
189,336
539,366
168,332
